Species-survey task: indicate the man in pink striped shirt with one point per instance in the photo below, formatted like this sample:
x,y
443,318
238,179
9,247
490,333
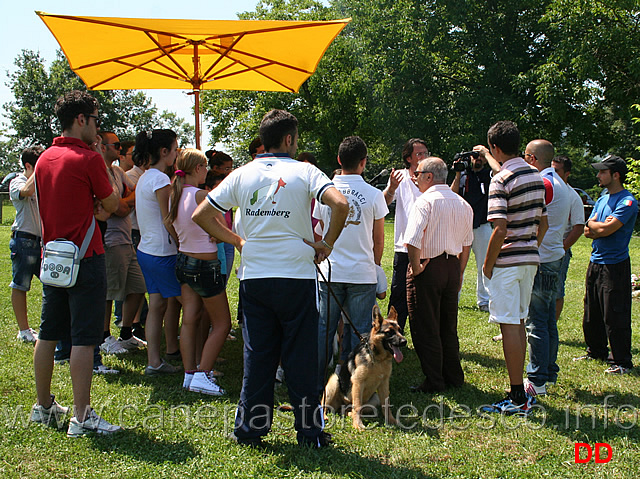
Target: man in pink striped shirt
x,y
438,238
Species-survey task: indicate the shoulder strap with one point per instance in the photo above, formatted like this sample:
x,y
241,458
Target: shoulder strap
x,y
87,238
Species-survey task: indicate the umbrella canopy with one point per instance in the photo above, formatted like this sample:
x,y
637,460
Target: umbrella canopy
x,y
110,53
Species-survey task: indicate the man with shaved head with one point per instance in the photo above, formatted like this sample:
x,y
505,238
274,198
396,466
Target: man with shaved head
x,y
541,323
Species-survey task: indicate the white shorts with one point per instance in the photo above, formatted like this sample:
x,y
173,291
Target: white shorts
x,y
510,293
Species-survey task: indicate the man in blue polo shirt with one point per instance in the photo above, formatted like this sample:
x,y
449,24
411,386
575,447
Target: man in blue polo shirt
x,y
607,303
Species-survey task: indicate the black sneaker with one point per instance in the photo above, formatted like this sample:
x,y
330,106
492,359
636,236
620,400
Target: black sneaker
x,y
322,440
586,357
249,442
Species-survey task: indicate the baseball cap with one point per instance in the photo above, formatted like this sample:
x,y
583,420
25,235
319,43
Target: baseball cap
x,y
613,163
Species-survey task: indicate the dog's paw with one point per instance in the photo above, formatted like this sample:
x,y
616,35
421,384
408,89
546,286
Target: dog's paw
x,y
359,426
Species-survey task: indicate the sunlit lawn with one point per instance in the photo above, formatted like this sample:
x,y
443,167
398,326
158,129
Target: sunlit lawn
x,y
173,433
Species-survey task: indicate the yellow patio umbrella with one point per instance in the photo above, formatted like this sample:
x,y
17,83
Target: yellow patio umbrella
x,y
110,53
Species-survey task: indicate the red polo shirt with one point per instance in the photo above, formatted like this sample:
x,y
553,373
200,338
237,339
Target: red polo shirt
x,y
69,175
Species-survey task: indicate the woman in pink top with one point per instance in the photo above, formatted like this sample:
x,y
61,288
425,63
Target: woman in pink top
x,y
198,272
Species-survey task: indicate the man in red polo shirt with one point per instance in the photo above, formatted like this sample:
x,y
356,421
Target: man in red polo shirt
x,y
72,184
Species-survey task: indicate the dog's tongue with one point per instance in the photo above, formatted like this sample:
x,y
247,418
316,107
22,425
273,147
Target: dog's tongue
x,y
397,354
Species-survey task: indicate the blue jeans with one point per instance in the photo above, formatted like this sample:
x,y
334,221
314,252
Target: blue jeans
x,y
358,301
542,330
63,351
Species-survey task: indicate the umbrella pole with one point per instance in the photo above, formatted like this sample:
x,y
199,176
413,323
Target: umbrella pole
x,y
197,109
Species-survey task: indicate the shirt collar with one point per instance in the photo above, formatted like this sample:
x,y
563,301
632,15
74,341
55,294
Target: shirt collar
x,y
516,159
69,140
264,156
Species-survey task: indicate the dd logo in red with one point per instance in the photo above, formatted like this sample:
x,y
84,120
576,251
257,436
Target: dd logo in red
x,y
592,452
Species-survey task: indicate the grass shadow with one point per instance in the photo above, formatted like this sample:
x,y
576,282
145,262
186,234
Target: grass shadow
x,y
142,447
335,461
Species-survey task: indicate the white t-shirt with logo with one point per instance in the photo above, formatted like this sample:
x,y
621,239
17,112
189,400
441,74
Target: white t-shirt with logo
x,y
154,237
352,255
405,196
273,195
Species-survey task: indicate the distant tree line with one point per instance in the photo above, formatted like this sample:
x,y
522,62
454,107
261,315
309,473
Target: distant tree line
x,y
445,70
30,119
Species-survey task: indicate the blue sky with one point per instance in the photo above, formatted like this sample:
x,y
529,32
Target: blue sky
x,y
21,29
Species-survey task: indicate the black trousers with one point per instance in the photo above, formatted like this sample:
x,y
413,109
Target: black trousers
x,y
607,312
398,297
280,324
432,299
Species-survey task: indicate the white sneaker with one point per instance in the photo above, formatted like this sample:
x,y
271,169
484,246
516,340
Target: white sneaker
x,y
188,377
203,383
27,335
132,344
533,390
112,346
54,415
92,424
102,369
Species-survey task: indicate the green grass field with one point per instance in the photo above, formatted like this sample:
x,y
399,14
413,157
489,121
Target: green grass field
x,y
173,433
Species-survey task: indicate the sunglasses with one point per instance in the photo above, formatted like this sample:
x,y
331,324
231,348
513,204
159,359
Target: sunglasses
x,y
116,145
417,173
97,118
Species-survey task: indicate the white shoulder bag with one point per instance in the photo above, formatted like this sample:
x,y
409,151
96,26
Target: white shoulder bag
x,y
61,258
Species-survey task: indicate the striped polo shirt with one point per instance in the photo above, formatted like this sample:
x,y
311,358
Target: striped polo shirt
x,y
516,194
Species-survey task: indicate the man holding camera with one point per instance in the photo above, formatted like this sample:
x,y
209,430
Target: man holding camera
x,y
472,183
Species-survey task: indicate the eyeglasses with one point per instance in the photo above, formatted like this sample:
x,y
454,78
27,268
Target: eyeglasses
x,y
116,145
417,173
97,118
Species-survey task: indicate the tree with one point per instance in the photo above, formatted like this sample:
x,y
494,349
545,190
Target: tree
x,y
565,70
31,115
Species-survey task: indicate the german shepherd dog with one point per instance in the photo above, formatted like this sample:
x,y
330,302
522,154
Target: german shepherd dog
x,y
367,370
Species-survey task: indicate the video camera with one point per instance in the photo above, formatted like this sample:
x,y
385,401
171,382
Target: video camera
x,y
462,161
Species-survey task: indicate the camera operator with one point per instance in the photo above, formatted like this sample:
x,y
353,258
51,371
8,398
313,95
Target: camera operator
x,y
473,174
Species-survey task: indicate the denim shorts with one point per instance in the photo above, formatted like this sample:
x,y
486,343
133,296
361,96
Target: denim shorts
x,y
25,260
203,276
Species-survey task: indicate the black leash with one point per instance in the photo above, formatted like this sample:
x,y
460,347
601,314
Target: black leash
x,y
333,295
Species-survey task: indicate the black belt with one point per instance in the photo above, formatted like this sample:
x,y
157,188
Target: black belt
x,y
22,234
446,256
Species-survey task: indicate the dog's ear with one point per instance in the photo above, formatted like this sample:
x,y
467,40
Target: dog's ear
x,y
376,317
393,314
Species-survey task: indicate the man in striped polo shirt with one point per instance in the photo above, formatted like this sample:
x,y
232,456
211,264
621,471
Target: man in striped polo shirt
x,y
518,214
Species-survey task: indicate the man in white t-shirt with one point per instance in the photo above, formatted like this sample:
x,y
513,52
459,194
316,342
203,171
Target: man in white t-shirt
x,y
542,329
351,269
575,226
402,188
273,194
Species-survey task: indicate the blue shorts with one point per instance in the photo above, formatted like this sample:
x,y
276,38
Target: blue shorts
x,y
74,312
159,274
25,259
203,276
